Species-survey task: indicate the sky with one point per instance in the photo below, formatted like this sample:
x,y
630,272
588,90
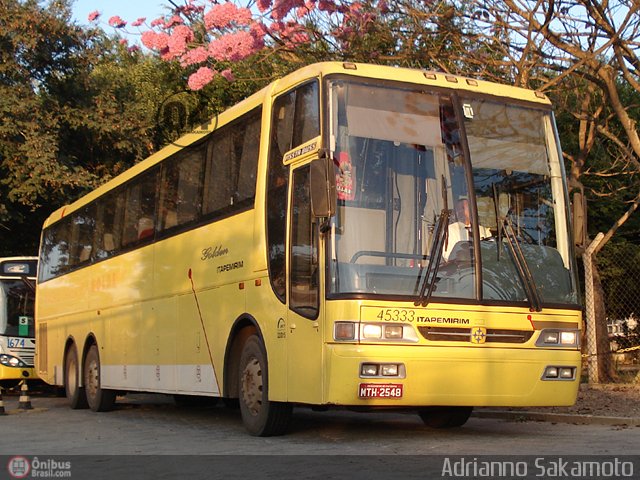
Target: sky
x,y
128,10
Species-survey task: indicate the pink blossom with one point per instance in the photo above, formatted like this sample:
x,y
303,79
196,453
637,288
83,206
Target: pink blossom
x,y
154,40
222,15
282,7
258,31
138,22
133,48
173,21
199,79
293,34
93,16
158,22
228,74
233,46
124,41
327,6
264,5
194,56
179,40
117,22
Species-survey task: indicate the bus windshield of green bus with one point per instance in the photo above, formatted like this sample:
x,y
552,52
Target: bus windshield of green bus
x,y
16,308
405,159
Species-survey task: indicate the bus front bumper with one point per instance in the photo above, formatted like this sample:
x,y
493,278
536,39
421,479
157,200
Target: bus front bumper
x,y
450,376
17,373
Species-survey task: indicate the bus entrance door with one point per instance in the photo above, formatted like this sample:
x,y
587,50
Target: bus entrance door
x,y
304,359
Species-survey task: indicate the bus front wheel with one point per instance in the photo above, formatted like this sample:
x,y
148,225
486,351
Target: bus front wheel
x,y
261,416
445,417
73,391
99,400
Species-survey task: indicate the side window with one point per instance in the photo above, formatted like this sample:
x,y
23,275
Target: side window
x,y
82,229
295,120
218,191
180,191
307,119
109,224
139,213
247,146
304,285
232,165
54,257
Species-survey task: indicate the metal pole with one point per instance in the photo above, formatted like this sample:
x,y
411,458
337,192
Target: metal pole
x,y
590,309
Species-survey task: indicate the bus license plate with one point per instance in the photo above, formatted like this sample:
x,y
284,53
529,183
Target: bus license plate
x,y
376,390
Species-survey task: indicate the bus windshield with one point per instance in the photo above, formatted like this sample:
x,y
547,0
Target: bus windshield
x,y
407,159
16,308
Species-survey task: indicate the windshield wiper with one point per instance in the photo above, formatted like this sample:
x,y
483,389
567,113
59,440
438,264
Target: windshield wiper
x,y
31,284
440,238
522,267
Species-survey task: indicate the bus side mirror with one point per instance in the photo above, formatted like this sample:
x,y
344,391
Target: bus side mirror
x,y
323,186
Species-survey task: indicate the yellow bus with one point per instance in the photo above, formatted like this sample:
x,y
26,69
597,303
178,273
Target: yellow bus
x,y
17,326
301,250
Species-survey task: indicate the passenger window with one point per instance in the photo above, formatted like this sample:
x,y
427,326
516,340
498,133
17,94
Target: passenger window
x,y
139,214
180,192
232,165
54,258
109,218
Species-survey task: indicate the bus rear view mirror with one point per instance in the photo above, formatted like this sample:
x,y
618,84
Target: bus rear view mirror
x,y
323,187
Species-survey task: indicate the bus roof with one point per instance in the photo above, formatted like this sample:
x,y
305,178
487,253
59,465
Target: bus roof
x,y
322,69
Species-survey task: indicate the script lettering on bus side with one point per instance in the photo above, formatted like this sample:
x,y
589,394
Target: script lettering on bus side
x,y
210,253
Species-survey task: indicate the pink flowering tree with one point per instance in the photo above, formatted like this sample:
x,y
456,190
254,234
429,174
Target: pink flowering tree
x,y
211,39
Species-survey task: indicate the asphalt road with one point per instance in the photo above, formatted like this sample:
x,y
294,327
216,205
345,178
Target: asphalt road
x,y
149,435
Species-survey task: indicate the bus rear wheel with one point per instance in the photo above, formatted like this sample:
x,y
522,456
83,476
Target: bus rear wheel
x,y
445,417
99,400
261,417
73,391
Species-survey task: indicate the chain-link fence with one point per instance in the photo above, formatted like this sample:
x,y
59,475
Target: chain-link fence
x,y
612,294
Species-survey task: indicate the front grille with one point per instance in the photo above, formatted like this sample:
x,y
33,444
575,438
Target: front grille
x,y
449,334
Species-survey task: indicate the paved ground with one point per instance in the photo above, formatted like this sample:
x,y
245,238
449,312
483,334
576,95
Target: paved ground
x,y
149,436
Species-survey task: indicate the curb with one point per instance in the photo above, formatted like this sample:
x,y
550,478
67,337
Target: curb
x,y
556,417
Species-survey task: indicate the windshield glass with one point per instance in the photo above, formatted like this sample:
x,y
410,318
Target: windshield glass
x,y
16,308
401,165
520,193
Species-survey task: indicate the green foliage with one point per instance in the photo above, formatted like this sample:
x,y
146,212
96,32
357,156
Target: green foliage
x,y
77,109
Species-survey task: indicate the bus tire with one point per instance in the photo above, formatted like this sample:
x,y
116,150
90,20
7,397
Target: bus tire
x,y
445,417
99,400
260,416
73,391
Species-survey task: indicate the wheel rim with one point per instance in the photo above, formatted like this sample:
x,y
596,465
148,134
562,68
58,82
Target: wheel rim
x,y
92,379
252,386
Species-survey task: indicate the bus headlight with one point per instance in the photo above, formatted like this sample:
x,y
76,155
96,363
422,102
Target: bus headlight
x,y
371,331
11,361
345,331
559,338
